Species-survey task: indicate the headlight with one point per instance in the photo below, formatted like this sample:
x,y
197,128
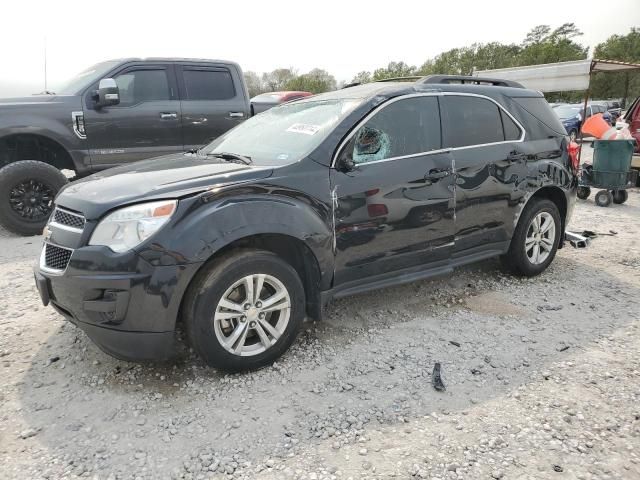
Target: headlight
x,y
130,226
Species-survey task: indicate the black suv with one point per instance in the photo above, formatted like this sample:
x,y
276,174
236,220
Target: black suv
x,y
328,196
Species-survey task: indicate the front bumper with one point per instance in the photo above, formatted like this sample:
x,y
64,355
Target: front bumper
x,y
124,304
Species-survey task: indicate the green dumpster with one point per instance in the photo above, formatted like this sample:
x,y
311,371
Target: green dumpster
x,y
611,163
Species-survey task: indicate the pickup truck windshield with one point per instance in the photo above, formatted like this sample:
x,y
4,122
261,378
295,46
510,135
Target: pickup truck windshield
x,y
92,74
284,134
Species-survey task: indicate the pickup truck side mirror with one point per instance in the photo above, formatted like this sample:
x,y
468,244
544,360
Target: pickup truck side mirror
x,y
108,93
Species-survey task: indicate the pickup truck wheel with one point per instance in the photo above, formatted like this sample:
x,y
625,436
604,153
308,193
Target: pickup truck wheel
x,y
27,190
535,241
244,310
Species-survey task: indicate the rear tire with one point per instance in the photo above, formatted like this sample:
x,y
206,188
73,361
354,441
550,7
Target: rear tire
x,y
27,191
534,245
223,313
620,196
603,198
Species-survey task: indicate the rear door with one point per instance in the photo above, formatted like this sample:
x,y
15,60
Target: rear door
x,y
146,122
212,99
489,162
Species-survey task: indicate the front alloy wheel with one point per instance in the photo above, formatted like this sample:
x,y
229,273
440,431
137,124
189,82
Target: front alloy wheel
x,y
252,314
244,309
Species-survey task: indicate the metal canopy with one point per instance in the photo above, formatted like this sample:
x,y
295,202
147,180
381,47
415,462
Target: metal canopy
x,y
558,77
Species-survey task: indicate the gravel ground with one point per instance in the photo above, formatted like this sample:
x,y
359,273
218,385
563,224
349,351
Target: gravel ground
x,y
542,381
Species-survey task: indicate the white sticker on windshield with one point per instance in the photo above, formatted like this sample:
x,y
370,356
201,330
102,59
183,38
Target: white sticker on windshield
x,y
305,128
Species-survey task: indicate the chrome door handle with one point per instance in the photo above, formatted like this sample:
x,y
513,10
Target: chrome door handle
x,y
435,174
236,114
168,116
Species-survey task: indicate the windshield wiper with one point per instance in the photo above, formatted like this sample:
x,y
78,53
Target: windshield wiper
x,y
231,157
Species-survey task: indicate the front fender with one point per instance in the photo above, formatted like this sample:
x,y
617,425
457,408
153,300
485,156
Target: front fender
x,y
206,225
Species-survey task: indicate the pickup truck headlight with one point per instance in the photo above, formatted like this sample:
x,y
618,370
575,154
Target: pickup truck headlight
x,y
128,227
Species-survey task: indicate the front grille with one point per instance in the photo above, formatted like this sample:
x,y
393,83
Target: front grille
x,y
70,219
56,258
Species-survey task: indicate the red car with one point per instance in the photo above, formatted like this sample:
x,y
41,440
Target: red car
x,y
265,101
632,118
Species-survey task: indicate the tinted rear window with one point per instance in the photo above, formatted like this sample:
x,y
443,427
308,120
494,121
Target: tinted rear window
x,y
540,109
208,85
472,121
511,130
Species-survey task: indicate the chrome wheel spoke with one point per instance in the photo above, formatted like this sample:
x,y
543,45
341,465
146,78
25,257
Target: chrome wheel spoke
x,y
258,288
547,244
236,340
264,338
269,328
227,315
271,303
546,226
248,288
229,305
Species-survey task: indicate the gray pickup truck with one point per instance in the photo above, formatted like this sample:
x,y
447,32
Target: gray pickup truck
x,y
115,112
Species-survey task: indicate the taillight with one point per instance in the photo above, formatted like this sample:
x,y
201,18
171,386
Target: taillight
x,y
377,209
573,149
371,193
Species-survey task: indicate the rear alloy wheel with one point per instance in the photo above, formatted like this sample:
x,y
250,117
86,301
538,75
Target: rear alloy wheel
x,y
535,241
27,191
244,310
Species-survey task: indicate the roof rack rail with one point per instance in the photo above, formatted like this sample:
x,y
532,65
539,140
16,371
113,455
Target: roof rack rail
x,y
463,79
352,84
400,79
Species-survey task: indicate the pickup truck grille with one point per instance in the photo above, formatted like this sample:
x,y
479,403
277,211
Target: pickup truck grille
x,y
68,219
55,257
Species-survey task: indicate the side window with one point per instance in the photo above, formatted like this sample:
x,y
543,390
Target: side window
x,y
511,131
138,86
472,121
208,85
404,127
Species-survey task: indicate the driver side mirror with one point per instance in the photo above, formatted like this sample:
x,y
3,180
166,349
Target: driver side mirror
x,y
345,162
108,93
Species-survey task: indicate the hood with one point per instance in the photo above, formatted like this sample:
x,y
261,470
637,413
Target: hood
x,y
170,176
34,100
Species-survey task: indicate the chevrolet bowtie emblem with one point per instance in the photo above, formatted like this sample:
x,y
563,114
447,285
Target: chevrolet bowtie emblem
x,y
46,233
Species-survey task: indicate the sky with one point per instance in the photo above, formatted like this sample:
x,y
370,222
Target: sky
x,y
343,37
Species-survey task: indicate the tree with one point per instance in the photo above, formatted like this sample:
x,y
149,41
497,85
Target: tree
x,y
626,85
254,83
316,81
463,61
277,79
362,77
393,70
543,45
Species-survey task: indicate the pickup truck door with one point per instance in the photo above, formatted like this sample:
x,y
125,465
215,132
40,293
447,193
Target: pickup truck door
x,y
213,100
146,122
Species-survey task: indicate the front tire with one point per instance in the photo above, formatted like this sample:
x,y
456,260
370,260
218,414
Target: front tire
x,y
535,241
244,310
27,191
